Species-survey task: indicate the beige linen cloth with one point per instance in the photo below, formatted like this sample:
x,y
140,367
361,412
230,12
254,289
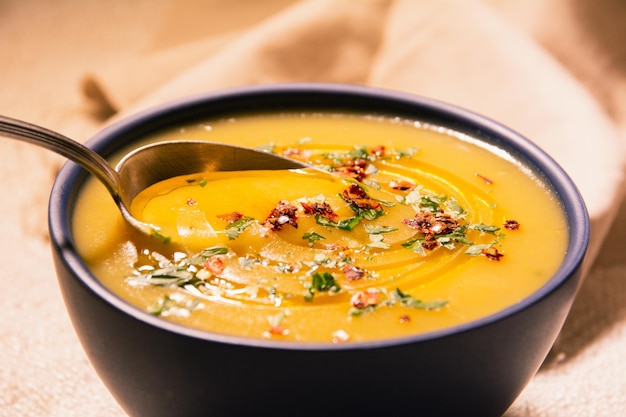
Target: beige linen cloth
x,y
553,70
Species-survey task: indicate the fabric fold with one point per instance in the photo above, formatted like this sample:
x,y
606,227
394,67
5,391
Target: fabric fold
x,y
322,40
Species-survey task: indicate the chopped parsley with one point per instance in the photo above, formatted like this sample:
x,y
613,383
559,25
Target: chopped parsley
x,y
409,301
170,305
375,299
375,230
234,229
321,282
312,237
156,233
345,224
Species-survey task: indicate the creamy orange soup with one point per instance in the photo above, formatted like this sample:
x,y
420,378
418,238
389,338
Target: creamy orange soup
x,y
409,228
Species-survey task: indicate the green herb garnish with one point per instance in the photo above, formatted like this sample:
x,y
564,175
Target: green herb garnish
x,y
204,254
375,229
155,233
234,229
409,301
321,282
485,228
169,305
312,237
345,224
397,297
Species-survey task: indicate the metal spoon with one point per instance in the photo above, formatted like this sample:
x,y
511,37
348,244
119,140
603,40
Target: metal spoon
x,y
148,164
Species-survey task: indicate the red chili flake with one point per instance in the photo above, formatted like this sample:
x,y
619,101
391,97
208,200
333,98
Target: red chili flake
x,y
356,192
357,196
430,242
511,225
322,209
293,268
364,299
354,168
401,185
283,213
378,151
191,202
230,217
485,179
214,264
432,223
405,318
353,273
278,330
492,254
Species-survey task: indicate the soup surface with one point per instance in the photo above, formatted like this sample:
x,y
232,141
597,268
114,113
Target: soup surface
x,y
408,228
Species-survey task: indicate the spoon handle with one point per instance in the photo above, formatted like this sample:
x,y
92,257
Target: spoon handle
x,y
62,145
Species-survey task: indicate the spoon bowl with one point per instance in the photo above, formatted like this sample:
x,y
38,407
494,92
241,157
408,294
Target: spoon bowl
x,y
148,164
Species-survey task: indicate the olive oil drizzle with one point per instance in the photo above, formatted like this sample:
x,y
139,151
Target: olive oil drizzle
x,y
442,224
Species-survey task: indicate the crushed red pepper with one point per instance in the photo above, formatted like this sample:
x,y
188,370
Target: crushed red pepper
x,y
353,168
485,179
230,217
405,318
511,225
378,151
355,195
432,223
364,299
492,253
430,242
278,330
214,264
353,273
401,185
283,213
321,209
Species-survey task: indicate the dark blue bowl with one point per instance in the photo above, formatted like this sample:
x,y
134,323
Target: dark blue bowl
x,y
157,368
